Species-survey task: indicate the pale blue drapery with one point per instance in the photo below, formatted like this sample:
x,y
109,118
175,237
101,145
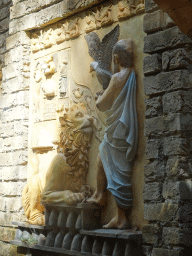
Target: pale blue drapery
x,y
119,145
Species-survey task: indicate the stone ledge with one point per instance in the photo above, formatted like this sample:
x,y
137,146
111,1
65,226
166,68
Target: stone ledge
x,y
49,15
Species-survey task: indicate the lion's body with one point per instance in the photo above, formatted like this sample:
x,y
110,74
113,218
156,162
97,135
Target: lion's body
x,y
65,179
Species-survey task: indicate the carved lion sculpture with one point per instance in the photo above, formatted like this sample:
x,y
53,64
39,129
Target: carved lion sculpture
x,y
65,179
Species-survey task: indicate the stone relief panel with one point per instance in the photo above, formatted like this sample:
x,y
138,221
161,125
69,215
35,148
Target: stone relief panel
x,y
61,79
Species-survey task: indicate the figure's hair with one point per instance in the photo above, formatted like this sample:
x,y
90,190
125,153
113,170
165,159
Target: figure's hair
x,y
125,56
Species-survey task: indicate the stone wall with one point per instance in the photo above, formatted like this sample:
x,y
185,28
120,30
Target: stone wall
x,y
16,17
168,172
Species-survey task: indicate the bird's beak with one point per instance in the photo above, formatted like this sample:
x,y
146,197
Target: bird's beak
x,y
91,69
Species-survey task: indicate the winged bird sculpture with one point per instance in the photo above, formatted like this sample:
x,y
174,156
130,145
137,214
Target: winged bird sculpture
x,y
101,52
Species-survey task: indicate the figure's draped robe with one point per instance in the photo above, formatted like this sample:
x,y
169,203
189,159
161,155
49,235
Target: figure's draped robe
x,y
119,145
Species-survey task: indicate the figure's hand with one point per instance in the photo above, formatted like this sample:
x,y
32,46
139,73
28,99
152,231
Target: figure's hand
x,y
98,94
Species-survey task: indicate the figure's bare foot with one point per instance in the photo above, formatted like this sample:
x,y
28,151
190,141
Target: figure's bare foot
x,y
97,198
117,223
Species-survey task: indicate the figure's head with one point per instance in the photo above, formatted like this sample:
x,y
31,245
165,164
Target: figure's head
x,y
123,53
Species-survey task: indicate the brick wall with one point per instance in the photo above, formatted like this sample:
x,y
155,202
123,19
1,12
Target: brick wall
x,y
168,173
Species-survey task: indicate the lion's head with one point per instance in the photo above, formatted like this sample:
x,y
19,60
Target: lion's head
x,y
75,138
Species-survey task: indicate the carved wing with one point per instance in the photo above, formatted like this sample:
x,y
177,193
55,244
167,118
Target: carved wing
x,y
94,45
107,45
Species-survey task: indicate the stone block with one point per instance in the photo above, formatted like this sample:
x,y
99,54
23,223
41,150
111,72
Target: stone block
x,y
14,55
14,173
20,38
6,218
5,2
147,250
166,252
15,143
179,101
151,233
12,188
152,149
176,59
15,99
163,125
20,84
2,40
8,249
150,6
6,130
178,166
11,71
11,204
7,234
167,81
154,171
169,38
152,191
21,128
14,158
160,211
185,212
153,22
176,236
152,64
175,146
167,21
4,12
4,25
16,113
153,107
180,190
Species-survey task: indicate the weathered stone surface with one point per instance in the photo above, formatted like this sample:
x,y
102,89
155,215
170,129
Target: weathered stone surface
x,y
147,250
7,234
176,59
2,40
20,84
152,64
4,25
160,211
14,158
153,22
12,188
150,6
14,55
177,236
14,173
153,107
5,2
168,81
154,171
13,143
4,12
166,252
185,212
20,38
6,130
152,191
152,149
167,124
15,99
151,233
21,128
7,218
15,113
8,249
10,204
181,190
167,21
11,71
49,15
179,101
166,39
178,166
175,146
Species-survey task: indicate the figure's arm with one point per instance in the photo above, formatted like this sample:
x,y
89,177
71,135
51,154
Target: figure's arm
x,y
105,101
